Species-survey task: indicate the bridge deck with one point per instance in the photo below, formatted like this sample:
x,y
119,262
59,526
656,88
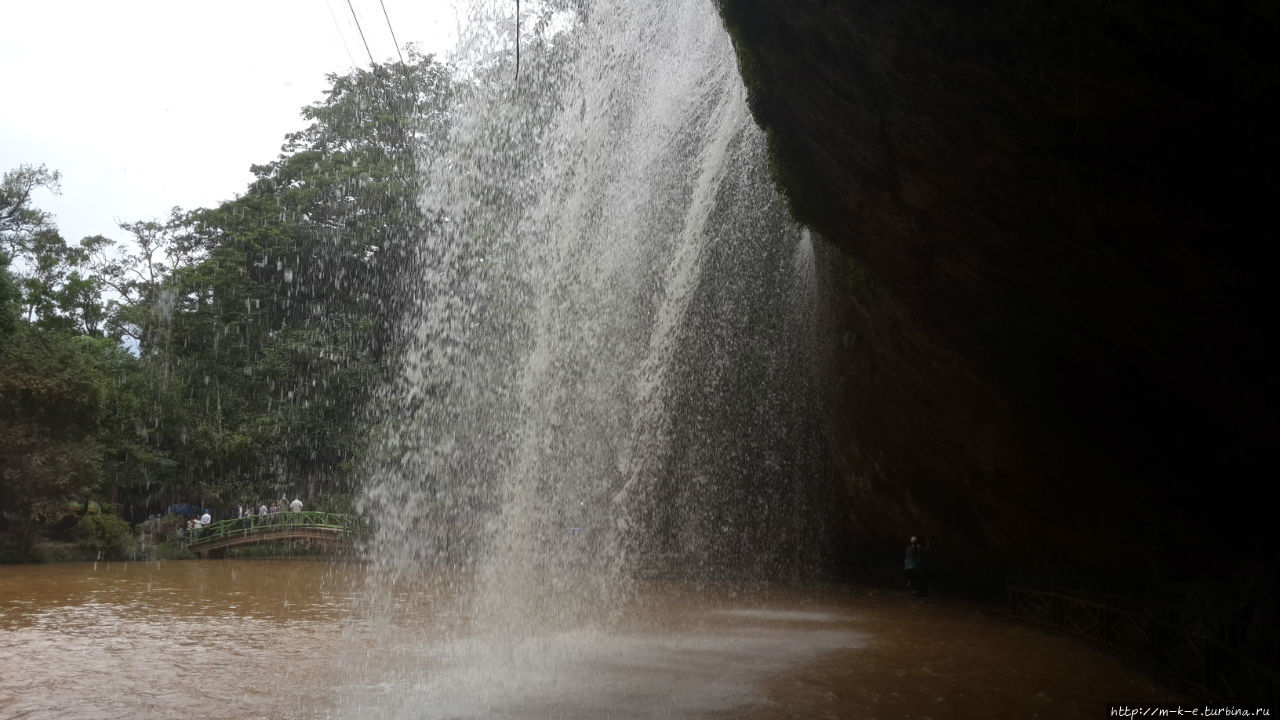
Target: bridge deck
x,y
326,528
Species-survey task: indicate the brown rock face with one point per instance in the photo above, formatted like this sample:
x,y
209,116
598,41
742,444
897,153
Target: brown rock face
x,y
1049,298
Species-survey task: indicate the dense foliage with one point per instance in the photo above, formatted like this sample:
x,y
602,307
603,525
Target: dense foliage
x,y
219,356
108,535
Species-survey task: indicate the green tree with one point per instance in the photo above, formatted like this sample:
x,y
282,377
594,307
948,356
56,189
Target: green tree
x,y
107,534
287,321
10,299
61,289
254,330
20,219
51,396
74,406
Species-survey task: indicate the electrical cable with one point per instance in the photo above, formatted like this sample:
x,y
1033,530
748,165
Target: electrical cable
x,y
372,62
392,30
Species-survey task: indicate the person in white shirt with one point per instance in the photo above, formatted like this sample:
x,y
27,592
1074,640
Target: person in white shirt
x,y
296,505
205,519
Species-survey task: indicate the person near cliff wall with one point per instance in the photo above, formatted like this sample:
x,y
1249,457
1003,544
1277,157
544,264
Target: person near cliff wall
x,y
916,568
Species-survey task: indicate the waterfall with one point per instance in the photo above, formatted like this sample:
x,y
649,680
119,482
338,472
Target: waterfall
x,y
608,380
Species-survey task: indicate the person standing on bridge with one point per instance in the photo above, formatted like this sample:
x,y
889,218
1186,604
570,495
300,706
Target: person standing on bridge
x,y
296,505
199,523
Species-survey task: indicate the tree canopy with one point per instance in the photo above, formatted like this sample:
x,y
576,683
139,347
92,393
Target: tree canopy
x,y
221,355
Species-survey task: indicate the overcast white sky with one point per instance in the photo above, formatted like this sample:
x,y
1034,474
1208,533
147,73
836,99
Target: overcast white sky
x,y
147,104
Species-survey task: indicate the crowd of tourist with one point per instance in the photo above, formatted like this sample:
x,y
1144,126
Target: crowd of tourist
x,y
264,514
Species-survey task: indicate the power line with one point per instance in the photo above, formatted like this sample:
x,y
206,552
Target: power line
x,y
372,62
393,32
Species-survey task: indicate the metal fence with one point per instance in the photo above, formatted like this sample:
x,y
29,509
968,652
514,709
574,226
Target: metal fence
x,y
1160,636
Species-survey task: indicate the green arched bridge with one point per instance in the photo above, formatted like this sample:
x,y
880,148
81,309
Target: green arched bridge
x,y
329,529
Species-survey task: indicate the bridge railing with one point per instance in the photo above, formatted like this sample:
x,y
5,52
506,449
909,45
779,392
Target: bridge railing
x,y
255,524
1160,636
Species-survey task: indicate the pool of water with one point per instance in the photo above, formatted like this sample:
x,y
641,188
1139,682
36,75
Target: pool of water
x,y
293,639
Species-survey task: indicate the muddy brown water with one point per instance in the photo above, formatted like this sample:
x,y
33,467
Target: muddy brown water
x,y
286,639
